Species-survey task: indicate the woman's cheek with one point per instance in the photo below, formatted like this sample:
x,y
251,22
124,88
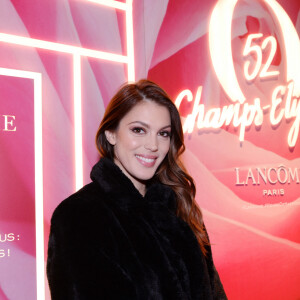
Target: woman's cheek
x,y
166,146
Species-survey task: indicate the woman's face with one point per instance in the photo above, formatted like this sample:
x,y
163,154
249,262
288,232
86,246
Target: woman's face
x,y
141,141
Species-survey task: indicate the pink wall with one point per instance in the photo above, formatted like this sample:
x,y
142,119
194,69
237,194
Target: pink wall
x,y
253,225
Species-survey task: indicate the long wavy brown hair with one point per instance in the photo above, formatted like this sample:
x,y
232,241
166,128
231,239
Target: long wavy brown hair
x,y
171,171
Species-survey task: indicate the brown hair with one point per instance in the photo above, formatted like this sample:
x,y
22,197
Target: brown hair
x,y
171,171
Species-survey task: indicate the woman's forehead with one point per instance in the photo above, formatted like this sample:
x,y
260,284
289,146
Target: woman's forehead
x,y
148,112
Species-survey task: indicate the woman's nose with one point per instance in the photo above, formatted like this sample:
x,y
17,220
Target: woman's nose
x,y
151,143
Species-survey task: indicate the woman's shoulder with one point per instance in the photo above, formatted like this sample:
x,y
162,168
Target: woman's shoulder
x,y
79,204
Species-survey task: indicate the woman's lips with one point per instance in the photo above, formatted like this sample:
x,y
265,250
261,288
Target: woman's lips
x,y
146,160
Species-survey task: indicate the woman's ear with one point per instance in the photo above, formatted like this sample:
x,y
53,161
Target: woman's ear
x,y
110,136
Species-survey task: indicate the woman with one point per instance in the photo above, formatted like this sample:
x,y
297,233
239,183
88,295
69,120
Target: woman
x,y
134,232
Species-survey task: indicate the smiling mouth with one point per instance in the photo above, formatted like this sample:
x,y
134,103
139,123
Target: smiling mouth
x,y
146,161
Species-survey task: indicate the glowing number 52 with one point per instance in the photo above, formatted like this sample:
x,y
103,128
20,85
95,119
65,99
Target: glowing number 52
x,y
257,50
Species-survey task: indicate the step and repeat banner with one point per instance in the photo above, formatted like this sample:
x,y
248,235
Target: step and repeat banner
x,y
233,70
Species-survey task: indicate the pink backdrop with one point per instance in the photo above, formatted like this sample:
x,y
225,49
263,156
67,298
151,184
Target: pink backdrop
x,y
254,231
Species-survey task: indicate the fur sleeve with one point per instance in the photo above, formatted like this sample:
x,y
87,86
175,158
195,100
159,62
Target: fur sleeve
x,y
217,287
219,293
59,281
73,274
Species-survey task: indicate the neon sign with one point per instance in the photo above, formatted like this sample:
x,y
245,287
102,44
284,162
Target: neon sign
x,y
77,53
285,99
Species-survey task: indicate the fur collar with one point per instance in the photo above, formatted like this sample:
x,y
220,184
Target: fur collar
x,y
122,191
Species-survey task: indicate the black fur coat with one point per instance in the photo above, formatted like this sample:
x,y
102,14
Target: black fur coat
x,y
109,242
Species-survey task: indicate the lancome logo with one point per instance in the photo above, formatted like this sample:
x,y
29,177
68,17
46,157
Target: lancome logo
x,y
272,179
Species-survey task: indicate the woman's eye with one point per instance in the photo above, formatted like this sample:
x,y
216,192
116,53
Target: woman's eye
x,y
138,130
165,133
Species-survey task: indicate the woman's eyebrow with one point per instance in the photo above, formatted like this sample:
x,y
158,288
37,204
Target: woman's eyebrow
x,y
146,125
139,122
